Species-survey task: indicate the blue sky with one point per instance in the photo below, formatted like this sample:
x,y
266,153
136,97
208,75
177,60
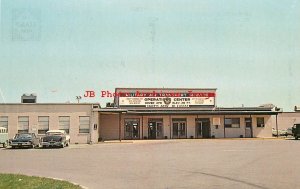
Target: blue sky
x,y
248,49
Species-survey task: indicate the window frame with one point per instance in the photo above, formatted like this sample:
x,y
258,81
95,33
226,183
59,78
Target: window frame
x,y
60,121
4,125
232,123
44,130
261,125
23,130
82,131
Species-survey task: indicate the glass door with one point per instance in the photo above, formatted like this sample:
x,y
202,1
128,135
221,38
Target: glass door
x,y
132,129
179,129
203,128
155,130
175,129
248,127
159,130
199,129
182,130
152,130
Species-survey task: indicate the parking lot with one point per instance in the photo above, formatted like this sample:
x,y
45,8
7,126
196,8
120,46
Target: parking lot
x,y
166,164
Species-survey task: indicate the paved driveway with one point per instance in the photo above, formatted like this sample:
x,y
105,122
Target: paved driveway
x,y
169,164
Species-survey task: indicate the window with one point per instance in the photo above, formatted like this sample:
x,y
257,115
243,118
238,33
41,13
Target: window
x,y
84,124
4,121
23,124
260,122
43,124
232,122
64,123
248,122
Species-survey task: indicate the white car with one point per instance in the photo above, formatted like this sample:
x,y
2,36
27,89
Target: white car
x,y
274,132
281,132
3,137
59,132
289,131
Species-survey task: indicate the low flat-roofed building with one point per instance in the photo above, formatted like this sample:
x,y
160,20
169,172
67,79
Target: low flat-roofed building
x,y
151,113
141,113
80,121
287,119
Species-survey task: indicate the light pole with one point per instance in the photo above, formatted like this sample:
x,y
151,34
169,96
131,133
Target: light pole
x,y
277,110
277,125
78,98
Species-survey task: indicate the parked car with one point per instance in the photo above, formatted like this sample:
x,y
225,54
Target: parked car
x,y
25,140
289,131
55,138
296,131
3,137
274,132
281,132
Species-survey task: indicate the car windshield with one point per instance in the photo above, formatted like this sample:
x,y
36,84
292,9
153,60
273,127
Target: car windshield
x,y
54,133
23,136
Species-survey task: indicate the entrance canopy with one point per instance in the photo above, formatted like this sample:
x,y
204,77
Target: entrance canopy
x,y
195,111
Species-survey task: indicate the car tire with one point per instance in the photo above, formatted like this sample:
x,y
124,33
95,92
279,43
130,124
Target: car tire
x,y
296,137
13,147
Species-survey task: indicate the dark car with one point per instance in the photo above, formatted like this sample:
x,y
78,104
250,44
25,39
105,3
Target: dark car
x,y
296,131
54,141
25,140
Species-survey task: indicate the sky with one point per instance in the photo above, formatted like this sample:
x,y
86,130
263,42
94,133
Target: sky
x,y
248,49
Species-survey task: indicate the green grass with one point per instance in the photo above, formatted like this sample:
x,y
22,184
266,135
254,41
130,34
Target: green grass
x,y
12,181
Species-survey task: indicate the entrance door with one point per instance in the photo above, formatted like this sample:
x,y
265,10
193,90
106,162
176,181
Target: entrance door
x,y
248,127
179,129
132,129
155,130
203,128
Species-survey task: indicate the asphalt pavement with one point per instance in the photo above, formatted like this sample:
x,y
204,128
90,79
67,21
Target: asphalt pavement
x,y
165,164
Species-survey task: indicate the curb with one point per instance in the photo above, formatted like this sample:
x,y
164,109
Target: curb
x,y
195,139
118,141
83,187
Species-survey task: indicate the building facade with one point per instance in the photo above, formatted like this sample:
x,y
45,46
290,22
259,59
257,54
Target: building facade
x,y
80,121
141,113
287,119
145,113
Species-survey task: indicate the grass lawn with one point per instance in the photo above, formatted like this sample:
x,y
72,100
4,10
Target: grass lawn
x,y
12,181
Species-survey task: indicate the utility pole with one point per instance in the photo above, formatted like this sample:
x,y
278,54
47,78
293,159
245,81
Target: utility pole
x,y
277,110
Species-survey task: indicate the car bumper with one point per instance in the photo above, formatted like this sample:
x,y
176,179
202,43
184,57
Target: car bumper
x,y
52,144
21,144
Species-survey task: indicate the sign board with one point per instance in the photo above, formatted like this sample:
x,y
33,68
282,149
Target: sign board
x,y
165,98
216,121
